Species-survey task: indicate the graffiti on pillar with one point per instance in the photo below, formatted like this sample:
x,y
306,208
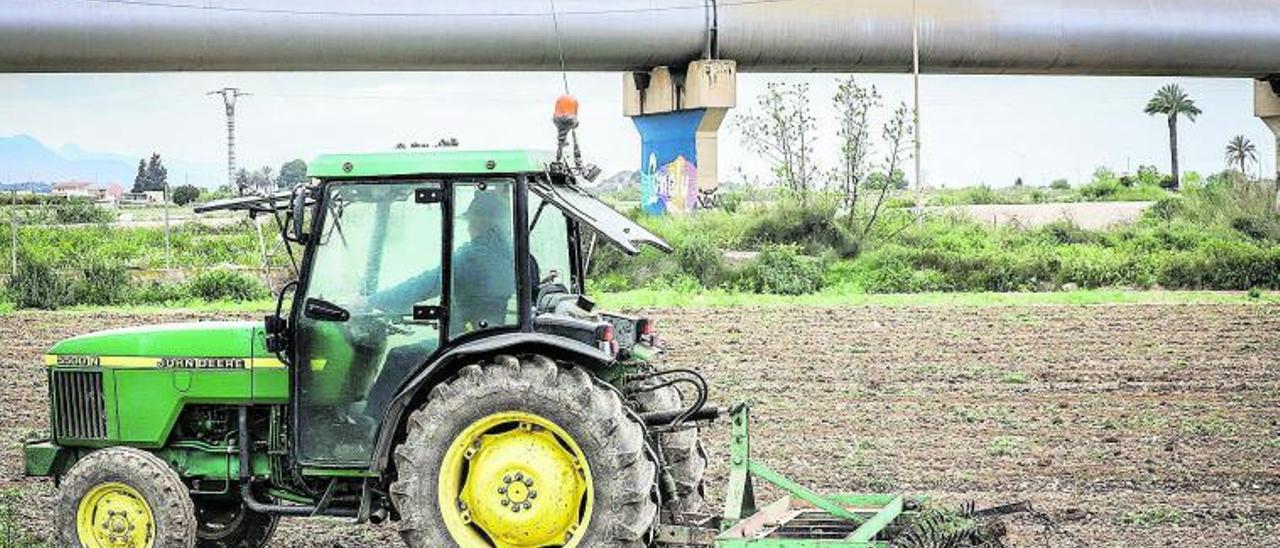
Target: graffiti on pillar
x,y
669,162
669,188
708,198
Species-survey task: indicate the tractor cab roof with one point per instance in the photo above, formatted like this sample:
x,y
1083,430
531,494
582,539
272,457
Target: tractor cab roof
x,y
562,191
429,162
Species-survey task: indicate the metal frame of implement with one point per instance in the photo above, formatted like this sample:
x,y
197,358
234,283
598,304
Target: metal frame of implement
x,y
801,519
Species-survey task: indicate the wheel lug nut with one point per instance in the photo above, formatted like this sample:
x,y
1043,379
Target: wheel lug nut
x,y
528,482
502,490
515,508
519,476
505,502
527,505
533,494
506,479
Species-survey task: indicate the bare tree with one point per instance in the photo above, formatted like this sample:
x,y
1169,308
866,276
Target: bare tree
x,y
854,105
897,133
782,130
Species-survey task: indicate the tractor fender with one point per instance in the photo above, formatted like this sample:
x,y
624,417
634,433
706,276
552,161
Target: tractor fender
x,y
445,364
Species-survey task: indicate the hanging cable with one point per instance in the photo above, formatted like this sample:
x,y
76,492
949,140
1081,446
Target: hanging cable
x,y
564,72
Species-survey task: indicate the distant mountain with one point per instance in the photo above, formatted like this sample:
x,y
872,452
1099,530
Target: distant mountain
x,y
39,188
23,158
620,181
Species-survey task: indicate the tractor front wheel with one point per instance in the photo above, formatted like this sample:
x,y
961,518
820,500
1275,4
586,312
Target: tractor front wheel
x,y
523,453
121,497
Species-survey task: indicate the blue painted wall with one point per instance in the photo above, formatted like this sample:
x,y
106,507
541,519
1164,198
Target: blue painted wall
x,y
669,161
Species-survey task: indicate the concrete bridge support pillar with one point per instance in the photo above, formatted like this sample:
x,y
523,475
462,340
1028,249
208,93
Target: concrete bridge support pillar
x,y
678,115
1266,106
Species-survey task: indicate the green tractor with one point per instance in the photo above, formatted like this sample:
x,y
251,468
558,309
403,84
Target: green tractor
x,y
437,365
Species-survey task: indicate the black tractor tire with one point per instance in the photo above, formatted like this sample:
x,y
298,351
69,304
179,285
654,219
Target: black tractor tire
x,y
611,437
686,458
165,494
228,523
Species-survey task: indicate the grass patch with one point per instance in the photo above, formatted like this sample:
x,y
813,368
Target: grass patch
x,y
1153,516
1008,446
12,534
1209,426
1014,377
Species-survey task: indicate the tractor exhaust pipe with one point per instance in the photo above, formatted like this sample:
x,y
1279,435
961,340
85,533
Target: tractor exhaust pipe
x,y
246,483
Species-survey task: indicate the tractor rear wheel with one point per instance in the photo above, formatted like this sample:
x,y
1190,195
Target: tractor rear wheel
x,y
524,453
228,523
124,497
686,458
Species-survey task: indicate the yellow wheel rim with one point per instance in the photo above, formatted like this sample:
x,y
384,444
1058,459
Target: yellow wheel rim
x,y
515,480
115,515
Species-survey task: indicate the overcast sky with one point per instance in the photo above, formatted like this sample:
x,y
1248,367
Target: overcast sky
x,y
990,129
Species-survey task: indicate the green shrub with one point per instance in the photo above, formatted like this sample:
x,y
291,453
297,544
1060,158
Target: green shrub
x,y
1222,265
979,195
1060,184
1166,209
1093,266
103,284
731,202
38,285
185,194
885,270
701,260
1258,227
781,270
1067,232
900,202
814,227
160,293
1100,190
83,212
222,284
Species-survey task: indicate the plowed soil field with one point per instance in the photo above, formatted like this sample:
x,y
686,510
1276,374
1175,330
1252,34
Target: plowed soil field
x,y
1135,425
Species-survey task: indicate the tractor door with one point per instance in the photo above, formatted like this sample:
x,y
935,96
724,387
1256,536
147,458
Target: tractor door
x,y
371,312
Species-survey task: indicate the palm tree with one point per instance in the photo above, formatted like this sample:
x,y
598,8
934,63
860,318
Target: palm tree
x,y
1173,101
1241,152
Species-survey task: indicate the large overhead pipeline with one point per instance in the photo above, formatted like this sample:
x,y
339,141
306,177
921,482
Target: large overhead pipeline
x,y
1186,37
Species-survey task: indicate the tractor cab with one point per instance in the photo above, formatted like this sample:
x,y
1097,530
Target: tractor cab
x,y
409,255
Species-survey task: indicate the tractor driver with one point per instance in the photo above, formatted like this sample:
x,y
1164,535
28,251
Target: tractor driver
x,y
483,273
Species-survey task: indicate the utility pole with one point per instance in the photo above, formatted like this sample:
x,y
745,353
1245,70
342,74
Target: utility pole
x,y
229,96
13,245
915,84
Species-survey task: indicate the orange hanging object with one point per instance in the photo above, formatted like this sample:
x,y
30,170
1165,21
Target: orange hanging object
x,y
566,115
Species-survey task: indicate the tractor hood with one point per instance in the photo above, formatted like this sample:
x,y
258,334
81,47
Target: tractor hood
x,y
195,345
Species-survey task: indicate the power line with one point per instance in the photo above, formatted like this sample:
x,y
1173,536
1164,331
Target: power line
x,y
440,14
564,72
